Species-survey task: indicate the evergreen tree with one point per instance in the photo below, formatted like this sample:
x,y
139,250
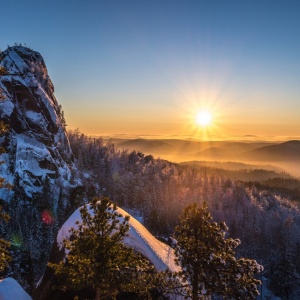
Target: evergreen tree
x,y
62,116
207,259
285,279
3,71
97,258
42,224
4,245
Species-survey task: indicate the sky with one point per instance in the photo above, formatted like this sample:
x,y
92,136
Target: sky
x,y
146,68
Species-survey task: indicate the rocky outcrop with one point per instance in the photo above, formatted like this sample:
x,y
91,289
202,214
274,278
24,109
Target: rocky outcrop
x,y
36,143
38,161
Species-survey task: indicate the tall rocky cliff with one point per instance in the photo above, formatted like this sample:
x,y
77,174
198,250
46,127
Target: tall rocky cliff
x,y
38,160
37,142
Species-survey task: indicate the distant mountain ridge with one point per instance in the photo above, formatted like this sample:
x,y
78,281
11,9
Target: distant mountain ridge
x,y
286,151
249,151
156,145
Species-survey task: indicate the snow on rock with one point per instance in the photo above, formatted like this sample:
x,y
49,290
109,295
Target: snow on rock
x,y
265,293
37,143
38,161
10,289
161,255
6,108
36,118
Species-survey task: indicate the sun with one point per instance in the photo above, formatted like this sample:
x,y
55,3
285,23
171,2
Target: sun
x,y
204,118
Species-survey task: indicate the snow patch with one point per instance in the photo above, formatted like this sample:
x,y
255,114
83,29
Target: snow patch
x,y
20,65
10,289
36,118
6,108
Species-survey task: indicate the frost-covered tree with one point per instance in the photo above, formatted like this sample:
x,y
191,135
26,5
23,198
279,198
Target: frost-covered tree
x,y
208,260
97,257
255,204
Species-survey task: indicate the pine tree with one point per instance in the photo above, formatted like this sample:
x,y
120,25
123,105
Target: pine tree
x,y
285,279
97,258
4,245
207,259
3,71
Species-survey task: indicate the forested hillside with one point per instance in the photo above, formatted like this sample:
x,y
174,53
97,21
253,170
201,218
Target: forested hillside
x,y
264,216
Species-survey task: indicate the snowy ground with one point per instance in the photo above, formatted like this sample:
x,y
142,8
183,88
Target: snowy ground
x,y
11,290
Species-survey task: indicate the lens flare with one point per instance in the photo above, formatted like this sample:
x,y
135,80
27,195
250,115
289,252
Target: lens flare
x,y
16,240
47,217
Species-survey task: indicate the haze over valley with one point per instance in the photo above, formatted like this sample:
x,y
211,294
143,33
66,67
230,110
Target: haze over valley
x,y
258,154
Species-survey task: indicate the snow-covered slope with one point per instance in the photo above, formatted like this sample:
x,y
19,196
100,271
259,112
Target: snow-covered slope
x,y
36,145
161,255
11,290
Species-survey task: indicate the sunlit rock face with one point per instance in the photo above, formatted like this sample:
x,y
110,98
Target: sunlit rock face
x,y
36,144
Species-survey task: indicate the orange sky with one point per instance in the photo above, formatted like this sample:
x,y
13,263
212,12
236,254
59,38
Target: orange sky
x,y
148,67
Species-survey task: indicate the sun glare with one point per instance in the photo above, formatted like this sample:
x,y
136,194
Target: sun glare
x,y
203,115
203,118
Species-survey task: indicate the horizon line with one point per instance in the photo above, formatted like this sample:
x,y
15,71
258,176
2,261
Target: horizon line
x,y
245,138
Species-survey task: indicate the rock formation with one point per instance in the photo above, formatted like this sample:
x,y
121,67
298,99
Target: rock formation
x,y
38,160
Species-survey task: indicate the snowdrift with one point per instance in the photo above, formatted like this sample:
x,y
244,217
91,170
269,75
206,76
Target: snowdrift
x,y
161,255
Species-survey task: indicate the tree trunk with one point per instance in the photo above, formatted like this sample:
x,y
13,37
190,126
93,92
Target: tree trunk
x,y
195,286
98,293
